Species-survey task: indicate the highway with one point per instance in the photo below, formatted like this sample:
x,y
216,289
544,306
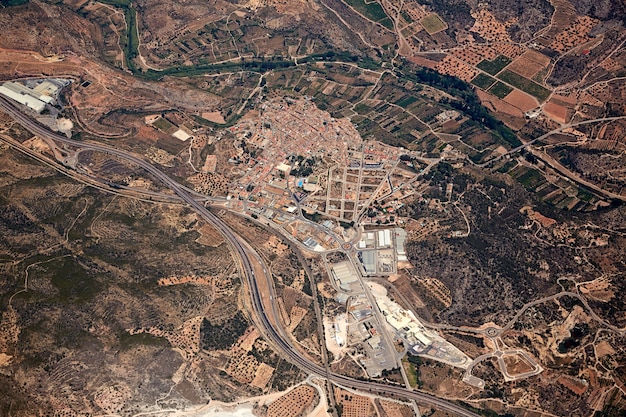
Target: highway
x,y
275,335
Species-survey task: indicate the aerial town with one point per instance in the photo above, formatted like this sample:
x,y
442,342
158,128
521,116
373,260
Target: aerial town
x,y
326,208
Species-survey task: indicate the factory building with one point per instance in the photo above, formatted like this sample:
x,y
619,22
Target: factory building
x,y
345,275
35,99
400,239
368,259
47,91
384,238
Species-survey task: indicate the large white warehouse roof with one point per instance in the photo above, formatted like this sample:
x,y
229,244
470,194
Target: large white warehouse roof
x,y
8,90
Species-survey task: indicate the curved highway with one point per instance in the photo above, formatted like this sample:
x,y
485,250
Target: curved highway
x,y
275,335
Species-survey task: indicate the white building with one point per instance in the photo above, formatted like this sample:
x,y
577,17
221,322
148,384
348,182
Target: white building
x,y
344,274
384,238
400,239
23,95
47,90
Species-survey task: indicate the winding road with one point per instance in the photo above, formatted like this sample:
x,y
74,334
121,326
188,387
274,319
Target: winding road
x,y
248,258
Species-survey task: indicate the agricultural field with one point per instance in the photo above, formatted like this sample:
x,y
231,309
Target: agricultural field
x,y
483,81
164,125
457,68
371,10
529,64
524,84
500,90
528,177
433,24
494,66
521,100
293,403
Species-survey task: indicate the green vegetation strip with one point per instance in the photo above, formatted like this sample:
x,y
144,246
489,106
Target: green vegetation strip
x,y
132,45
118,3
255,65
495,66
525,85
129,40
371,10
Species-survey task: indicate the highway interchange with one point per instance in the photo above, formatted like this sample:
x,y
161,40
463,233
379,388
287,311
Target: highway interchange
x,y
248,257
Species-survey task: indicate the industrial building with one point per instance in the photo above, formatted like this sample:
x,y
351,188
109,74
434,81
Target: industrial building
x,y
384,238
282,167
328,224
400,239
368,240
368,259
311,243
47,90
403,321
344,275
35,99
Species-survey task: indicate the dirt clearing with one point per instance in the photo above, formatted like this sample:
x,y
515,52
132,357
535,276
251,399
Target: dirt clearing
x,y
521,100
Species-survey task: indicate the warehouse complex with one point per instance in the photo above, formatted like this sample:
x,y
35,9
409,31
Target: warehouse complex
x,y
34,98
379,251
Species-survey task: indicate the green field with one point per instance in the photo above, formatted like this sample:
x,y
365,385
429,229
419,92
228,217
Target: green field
x,y
433,23
406,17
164,125
525,85
120,3
386,22
362,108
483,81
500,90
495,66
528,177
406,101
508,166
371,10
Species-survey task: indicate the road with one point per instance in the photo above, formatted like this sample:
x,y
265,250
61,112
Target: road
x,y
549,160
550,133
275,335
582,299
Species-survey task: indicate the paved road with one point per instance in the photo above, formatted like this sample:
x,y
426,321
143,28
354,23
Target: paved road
x,y
582,299
557,166
247,256
552,132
